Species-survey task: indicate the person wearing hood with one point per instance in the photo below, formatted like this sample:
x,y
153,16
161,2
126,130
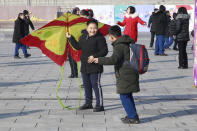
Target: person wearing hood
x,y
161,23
92,44
19,33
182,36
127,80
130,22
152,26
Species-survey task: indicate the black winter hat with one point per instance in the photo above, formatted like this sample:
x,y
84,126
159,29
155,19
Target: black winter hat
x,y
25,12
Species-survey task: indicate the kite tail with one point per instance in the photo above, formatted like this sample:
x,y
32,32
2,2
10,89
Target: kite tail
x,y
80,83
59,85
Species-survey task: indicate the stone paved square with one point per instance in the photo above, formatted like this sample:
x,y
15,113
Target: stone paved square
x,y
167,101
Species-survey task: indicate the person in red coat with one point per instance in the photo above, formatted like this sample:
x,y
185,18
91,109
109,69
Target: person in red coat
x,y
130,22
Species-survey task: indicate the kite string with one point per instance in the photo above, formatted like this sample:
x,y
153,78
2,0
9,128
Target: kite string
x,y
60,82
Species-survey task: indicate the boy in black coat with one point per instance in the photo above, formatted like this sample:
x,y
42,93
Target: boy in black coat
x,y
152,26
19,32
93,44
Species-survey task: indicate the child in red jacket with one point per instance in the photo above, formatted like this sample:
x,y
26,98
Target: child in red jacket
x,y
130,22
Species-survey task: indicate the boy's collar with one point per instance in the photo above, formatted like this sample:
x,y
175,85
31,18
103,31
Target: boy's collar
x,y
116,40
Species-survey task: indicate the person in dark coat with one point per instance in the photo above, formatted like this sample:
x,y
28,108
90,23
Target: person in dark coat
x,y
182,28
152,26
127,80
175,41
168,37
161,22
19,33
28,22
73,63
93,44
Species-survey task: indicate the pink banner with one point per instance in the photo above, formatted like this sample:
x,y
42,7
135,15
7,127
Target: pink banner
x,y
195,46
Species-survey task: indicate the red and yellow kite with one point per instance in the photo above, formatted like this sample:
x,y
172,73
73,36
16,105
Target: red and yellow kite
x,y
51,38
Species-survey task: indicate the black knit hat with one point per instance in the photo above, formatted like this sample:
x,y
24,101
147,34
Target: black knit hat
x,y
25,12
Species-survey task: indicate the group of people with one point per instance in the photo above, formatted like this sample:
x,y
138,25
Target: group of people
x,y
94,50
21,29
169,30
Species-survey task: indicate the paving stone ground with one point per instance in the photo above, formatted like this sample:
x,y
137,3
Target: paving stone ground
x,y
167,101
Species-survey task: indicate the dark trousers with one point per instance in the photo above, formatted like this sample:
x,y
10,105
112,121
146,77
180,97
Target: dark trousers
x,y
17,47
159,45
175,44
129,105
92,81
73,66
152,39
183,61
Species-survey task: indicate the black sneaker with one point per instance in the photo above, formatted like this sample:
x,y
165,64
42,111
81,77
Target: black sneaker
x,y
85,107
71,76
17,57
27,55
127,120
98,108
176,49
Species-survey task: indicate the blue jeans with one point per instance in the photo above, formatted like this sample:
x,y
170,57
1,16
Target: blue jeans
x,y
92,81
129,105
17,47
159,45
168,42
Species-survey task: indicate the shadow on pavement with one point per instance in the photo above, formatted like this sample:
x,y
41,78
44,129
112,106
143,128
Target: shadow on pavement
x,y
180,113
27,63
7,84
8,115
162,79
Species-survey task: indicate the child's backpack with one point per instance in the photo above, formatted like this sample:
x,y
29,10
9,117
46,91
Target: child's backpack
x,y
139,59
172,27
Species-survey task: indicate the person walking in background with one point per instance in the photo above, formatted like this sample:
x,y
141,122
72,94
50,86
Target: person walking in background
x,y
175,40
27,23
182,29
19,32
152,26
161,22
168,37
130,22
73,63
